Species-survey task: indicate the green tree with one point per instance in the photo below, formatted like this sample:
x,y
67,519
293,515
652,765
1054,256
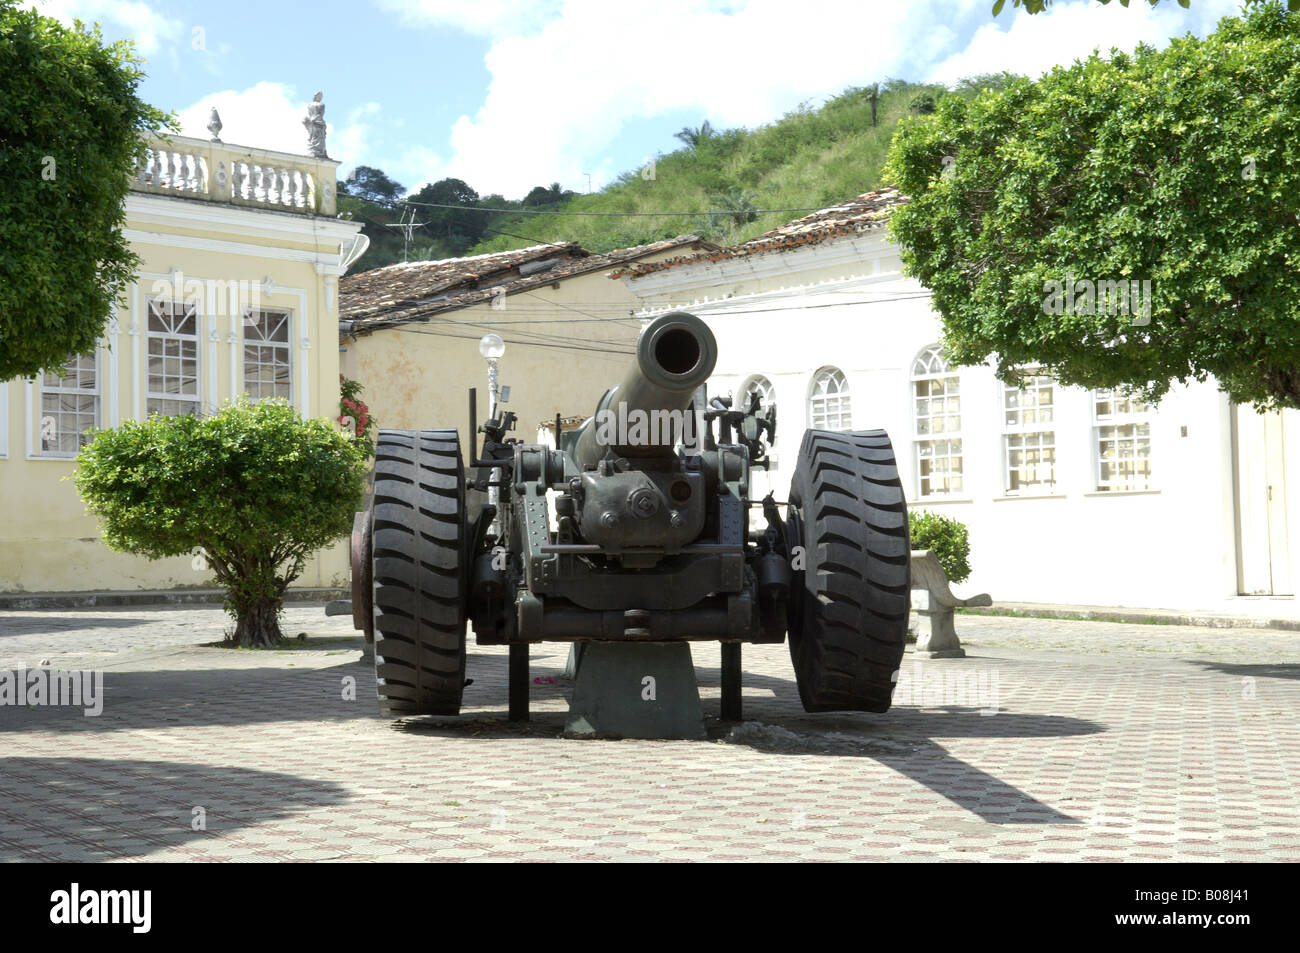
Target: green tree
x,y
1038,6
694,137
372,185
1124,222
458,229
948,539
547,196
254,486
71,132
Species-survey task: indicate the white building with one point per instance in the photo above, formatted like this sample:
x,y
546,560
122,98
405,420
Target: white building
x,y
1071,496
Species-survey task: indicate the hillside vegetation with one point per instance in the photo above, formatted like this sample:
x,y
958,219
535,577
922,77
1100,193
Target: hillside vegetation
x,y
810,158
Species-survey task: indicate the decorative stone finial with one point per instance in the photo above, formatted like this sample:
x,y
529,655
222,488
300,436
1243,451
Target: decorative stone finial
x,y
314,122
214,125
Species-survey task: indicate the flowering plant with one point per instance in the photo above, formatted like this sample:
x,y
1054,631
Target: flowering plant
x,y
354,415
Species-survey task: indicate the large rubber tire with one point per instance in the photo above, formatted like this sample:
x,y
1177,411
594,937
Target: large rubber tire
x,y
420,572
848,618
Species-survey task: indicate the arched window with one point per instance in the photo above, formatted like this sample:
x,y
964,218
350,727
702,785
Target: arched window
x,y
829,405
760,385
936,406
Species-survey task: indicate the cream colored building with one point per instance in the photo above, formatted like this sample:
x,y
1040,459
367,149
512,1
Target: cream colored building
x,y
410,333
237,293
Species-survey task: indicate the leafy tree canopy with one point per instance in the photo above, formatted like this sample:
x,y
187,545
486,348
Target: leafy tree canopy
x,y
254,486
371,185
71,131
1168,175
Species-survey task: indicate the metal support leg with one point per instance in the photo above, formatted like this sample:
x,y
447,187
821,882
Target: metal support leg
x,y
519,681
731,707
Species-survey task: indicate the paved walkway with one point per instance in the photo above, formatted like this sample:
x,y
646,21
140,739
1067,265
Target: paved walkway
x,y
1054,740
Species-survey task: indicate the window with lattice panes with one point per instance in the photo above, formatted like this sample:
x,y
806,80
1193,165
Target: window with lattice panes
x,y
69,406
172,355
829,405
936,409
1121,440
1029,435
268,366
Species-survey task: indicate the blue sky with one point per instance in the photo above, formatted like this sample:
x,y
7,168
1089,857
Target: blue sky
x,y
507,94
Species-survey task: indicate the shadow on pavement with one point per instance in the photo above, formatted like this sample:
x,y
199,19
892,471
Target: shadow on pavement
x,y
1259,670
11,624
901,739
91,809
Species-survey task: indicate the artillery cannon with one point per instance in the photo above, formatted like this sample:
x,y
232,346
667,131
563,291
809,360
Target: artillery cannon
x,y
635,527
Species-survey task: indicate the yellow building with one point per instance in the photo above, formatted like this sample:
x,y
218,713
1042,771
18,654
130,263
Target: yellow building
x,y
237,293
410,332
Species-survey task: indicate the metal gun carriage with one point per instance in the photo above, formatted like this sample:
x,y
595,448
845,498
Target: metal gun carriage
x,y
635,527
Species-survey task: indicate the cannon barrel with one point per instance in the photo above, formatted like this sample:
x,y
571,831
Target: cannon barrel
x,y
674,356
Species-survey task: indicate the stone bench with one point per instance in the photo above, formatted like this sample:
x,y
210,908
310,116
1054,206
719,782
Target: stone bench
x,y
933,602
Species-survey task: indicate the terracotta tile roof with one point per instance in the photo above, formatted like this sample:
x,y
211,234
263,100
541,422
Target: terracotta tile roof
x,y
869,210
412,291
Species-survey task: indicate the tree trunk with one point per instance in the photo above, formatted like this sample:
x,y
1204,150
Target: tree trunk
x,y
258,624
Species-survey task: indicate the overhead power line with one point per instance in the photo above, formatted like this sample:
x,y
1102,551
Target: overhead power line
x,y
527,211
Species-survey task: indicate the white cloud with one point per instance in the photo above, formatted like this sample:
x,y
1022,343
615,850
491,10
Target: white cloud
x,y
151,30
567,75
480,17
1031,45
560,95
265,116
351,145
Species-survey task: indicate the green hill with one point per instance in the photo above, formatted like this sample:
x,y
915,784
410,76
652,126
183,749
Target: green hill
x,y
810,158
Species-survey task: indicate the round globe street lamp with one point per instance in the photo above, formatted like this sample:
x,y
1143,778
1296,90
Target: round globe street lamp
x,y
492,347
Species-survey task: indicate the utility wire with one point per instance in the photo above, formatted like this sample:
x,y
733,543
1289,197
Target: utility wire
x,y
526,211
474,337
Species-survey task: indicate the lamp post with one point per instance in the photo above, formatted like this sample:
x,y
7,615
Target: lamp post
x,y
492,347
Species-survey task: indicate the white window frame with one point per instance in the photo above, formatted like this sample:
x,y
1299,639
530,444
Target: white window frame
x,y
1033,382
930,365
96,393
191,308
1135,415
820,397
287,345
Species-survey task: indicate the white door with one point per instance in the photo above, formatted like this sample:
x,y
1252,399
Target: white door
x,y
1264,559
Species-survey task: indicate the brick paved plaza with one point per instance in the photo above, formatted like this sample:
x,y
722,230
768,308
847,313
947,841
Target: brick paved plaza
x,y
1053,740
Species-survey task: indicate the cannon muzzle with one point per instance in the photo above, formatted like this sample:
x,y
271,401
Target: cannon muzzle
x,y
650,409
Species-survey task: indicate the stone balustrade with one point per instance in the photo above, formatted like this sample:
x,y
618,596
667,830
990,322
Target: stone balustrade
x,y
217,172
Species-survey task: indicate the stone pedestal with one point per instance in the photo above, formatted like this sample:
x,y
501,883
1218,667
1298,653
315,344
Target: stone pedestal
x,y
635,690
935,635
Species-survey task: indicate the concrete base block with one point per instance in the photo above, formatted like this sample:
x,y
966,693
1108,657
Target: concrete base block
x,y
338,607
935,635
635,690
